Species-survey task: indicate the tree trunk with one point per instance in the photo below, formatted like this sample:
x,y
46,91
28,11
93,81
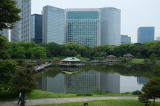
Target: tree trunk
x,y
153,100
23,99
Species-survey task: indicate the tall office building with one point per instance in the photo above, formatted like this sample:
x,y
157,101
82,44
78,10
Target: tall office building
x,y
158,38
83,26
36,28
53,25
21,30
145,34
125,39
5,32
110,26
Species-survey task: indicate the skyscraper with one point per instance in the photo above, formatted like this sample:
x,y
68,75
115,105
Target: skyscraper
x,y
5,32
158,38
145,34
125,39
21,30
110,26
36,28
53,25
83,26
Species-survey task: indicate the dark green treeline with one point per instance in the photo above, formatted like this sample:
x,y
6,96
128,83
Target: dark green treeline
x,y
30,50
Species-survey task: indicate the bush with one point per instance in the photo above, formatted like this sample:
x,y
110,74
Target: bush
x,y
98,91
137,92
146,60
84,94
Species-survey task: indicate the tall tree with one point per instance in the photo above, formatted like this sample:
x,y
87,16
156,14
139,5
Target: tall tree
x,y
5,48
23,81
8,14
7,69
151,90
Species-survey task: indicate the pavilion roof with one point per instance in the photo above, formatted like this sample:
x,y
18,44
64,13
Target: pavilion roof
x,y
71,59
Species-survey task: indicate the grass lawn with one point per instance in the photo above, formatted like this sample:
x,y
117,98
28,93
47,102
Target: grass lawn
x,y
37,94
137,60
103,103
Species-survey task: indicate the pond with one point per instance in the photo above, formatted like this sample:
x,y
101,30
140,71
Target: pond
x,y
113,78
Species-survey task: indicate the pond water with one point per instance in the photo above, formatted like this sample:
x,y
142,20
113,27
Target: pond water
x,y
117,78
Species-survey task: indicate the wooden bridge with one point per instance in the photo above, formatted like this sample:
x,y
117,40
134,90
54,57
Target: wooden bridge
x,y
41,67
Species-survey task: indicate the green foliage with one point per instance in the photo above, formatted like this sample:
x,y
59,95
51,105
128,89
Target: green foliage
x,y
129,59
98,91
24,80
146,60
152,57
137,92
5,48
20,52
7,69
78,56
98,58
150,90
84,94
38,52
8,13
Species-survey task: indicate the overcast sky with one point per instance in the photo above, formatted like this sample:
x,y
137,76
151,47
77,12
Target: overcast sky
x,y
134,13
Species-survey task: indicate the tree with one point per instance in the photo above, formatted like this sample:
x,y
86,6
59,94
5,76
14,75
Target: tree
x,y
23,81
5,48
152,57
20,52
7,69
8,13
38,52
151,90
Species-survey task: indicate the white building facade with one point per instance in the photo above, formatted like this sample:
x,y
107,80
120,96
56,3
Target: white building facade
x,y
110,26
21,30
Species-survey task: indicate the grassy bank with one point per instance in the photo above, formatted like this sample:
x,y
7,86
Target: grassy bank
x,y
37,94
103,103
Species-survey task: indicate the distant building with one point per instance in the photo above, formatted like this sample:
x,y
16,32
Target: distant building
x,y
128,55
36,28
158,38
5,32
21,30
125,39
145,34
83,26
110,26
142,80
53,25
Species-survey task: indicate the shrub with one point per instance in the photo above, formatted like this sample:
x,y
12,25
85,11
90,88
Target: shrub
x,y
146,60
84,94
137,92
98,91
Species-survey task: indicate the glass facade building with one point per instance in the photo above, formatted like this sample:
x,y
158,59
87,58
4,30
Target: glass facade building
x,y
158,38
5,32
83,82
53,25
83,26
125,39
110,26
36,28
21,30
145,34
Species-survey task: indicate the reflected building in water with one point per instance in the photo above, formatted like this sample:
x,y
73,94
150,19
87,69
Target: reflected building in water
x,y
90,81
83,82
142,80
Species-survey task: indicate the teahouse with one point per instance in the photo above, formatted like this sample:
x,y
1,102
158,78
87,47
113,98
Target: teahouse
x,y
70,60
128,55
110,57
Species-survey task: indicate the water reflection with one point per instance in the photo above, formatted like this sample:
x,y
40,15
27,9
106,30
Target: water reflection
x,y
71,80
